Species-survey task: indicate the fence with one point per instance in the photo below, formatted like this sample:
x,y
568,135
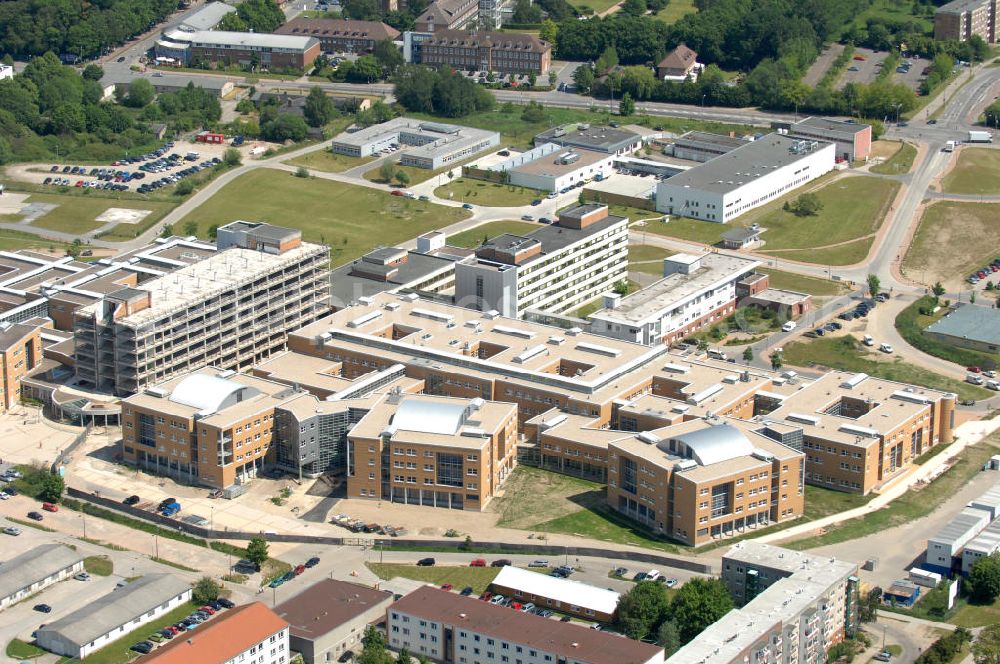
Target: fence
x,y
393,543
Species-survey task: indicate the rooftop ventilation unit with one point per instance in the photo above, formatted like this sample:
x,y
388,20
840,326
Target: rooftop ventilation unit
x,y
367,318
554,421
600,350
526,355
513,331
854,381
574,331
365,300
158,392
803,419
556,340
685,464
432,315
648,437
676,368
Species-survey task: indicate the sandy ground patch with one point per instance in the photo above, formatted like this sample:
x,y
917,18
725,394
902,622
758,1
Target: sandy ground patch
x,y
948,244
11,203
123,215
883,150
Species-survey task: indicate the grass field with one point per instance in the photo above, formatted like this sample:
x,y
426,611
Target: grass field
x,y
329,162
675,10
474,237
646,258
848,354
77,214
458,576
118,651
597,6
949,243
488,194
416,175
803,284
898,162
977,172
99,565
19,650
705,232
14,240
892,11
352,220
912,505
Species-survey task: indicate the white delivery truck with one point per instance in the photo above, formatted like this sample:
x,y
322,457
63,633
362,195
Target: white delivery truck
x,y
949,146
980,137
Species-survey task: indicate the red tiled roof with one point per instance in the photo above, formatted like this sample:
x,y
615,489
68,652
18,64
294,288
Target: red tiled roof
x,y
565,639
338,27
510,41
219,639
681,57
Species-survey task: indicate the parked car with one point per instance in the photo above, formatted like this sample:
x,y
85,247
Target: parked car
x,y
867,340
466,591
671,582
42,608
426,562
447,586
886,348
789,326
35,516
312,562
501,562
82,576
467,206
544,613
478,562
652,575
143,648
50,507
12,530
497,599
538,563
226,604
299,569
974,370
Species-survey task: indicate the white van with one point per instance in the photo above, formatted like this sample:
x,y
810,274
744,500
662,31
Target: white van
x,y
716,354
885,348
789,326
974,379
993,385
867,340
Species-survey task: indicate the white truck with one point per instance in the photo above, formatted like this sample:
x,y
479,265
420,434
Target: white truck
x,y
949,146
980,137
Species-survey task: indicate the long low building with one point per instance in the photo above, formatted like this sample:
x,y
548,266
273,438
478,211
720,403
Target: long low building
x,y
745,178
246,49
430,145
552,592
30,572
969,326
91,627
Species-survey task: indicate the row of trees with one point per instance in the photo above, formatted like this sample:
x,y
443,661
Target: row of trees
x,y
441,92
86,29
646,611
253,16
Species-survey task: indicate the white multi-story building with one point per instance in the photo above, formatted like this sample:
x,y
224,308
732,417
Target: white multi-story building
x,y
753,174
695,291
248,634
445,627
555,269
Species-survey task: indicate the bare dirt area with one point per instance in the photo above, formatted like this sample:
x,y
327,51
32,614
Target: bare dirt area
x,y
533,496
822,64
883,150
948,243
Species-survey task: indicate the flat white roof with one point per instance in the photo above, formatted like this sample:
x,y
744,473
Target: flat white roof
x,y
558,589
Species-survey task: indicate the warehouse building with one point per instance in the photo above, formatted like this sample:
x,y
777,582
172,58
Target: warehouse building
x,y
207,17
551,167
453,627
106,619
753,174
969,326
983,545
946,546
853,139
245,49
328,619
702,146
30,572
337,35
553,592
430,145
556,268
795,607
696,291
609,140
199,314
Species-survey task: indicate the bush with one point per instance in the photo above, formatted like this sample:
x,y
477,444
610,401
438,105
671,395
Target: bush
x,y
301,172
232,157
205,590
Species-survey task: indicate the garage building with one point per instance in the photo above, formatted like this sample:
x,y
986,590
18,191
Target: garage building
x,y
551,592
33,570
111,617
969,326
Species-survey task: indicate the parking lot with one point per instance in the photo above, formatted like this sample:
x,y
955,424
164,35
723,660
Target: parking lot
x,y
862,70
911,72
822,64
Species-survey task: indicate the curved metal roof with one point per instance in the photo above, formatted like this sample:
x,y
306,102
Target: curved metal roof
x,y
715,444
429,416
205,392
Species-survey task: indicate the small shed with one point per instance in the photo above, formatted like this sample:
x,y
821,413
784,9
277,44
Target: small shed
x,y
901,593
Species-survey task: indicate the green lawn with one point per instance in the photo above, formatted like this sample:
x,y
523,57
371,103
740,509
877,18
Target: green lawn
x,y
474,236
329,162
118,651
803,283
14,240
853,208
18,649
415,175
647,259
899,163
848,354
706,232
597,6
977,172
675,10
490,194
99,565
910,506
891,11
77,214
352,220
949,243
458,576
977,615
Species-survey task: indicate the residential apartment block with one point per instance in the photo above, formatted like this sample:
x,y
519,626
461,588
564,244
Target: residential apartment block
x,y
501,52
230,310
556,268
341,35
961,19
794,607
435,451
445,627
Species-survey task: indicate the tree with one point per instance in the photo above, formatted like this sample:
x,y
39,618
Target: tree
x,y
634,7
319,108
404,656
986,648
213,232
205,590
532,79
387,171
641,609
231,157
548,31
583,78
668,638
748,355
874,284
525,12
553,77
607,61
257,551
983,582
776,361
184,187
622,287
140,93
402,178
254,16
373,647
806,205
284,127
533,113
93,72
52,488
389,57
301,172
627,105
698,604
191,228
938,289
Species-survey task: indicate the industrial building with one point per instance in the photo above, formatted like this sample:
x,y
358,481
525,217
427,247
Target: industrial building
x,y
702,146
969,326
551,167
430,145
983,545
108,618
453,628
753,174
696,291
445,452
501,52
572,598
961,19
245,49
794,608
556,268
973,533
328,619
251,633
230,310
583,136
24,575
853,140
337,35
